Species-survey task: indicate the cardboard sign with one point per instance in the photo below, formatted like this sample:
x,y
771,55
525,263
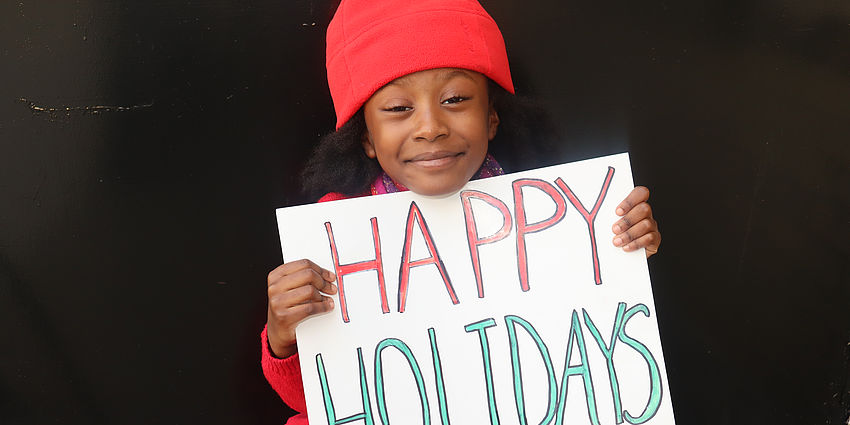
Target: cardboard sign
x,y
504,303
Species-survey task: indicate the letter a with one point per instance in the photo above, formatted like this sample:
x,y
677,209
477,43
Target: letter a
x,y
581,370
415,216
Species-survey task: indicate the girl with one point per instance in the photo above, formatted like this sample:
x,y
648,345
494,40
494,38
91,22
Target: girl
x,y
420,90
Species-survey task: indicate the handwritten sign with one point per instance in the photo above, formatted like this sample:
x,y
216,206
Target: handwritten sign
x,y
504,303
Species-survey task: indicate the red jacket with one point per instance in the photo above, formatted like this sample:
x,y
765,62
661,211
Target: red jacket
x,y
284,375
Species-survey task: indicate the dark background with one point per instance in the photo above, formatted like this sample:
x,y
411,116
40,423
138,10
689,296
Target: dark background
x,y
145,144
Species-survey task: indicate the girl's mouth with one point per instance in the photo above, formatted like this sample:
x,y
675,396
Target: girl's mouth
x,y
434,159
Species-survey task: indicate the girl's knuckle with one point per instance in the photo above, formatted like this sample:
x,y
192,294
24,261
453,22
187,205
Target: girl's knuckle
x,y
305,275
309,309
272,277
303,292
279,313
278,298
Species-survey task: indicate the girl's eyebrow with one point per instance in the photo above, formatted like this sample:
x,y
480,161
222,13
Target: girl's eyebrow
x,y
457,73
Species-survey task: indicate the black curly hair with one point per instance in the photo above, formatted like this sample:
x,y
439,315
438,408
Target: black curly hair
x,y
525,139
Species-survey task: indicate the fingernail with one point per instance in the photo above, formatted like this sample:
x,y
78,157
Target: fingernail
x,y
627,248
618,241
617,228
331,302
620,211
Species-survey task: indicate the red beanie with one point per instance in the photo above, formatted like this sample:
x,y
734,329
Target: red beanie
x,y
372,42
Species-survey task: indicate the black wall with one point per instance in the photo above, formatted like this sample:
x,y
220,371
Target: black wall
x,y
145,144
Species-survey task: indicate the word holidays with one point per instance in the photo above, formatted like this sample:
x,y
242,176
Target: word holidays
x,y
557,393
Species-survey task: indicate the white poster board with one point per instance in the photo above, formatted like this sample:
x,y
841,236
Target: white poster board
x,y
505,303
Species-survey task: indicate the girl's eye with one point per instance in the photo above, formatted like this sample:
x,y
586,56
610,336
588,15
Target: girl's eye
x,y
397,109
454,99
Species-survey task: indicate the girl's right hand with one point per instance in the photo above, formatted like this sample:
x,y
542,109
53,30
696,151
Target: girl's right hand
x,y
295,293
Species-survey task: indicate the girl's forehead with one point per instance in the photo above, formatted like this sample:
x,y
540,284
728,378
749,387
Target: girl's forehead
x,y
438,75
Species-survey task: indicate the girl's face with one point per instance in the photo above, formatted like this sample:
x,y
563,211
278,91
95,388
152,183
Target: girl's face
x,y
430,130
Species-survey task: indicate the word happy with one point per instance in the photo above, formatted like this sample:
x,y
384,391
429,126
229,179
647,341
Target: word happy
x,y
559,193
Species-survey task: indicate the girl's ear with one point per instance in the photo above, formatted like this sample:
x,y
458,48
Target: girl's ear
x,y
368,145
492,122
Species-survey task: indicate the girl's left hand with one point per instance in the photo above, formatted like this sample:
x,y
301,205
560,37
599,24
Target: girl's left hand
x,y
636,229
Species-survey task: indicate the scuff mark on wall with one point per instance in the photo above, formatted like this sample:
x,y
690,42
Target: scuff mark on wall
x,y
758,182
86,109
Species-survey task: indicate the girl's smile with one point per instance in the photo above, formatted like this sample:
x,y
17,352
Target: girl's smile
x,y
430,130
435,159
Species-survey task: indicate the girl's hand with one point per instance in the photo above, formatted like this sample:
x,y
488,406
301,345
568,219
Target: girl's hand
x,y
295,293
636,229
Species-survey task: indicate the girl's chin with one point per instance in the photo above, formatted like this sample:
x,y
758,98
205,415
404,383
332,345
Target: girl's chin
x,y
436,191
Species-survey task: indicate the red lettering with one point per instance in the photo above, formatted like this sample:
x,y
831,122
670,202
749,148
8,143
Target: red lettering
x,y
472,231
345,269
414,215
523,227
590,216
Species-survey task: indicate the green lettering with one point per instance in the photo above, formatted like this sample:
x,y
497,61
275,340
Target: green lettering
x,y
511,322
582,370
654,374
608,352
438,377
366,415
417,375
481,327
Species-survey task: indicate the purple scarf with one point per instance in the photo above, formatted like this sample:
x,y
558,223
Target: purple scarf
x,y
384,184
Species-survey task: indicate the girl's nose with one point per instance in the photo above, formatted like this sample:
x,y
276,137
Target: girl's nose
x,y
430,124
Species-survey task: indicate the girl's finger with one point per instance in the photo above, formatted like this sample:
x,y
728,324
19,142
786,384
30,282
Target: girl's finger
x,y
297,313
650,241
301,295
635,232
305,278
296,266
636,196
635,215
310,277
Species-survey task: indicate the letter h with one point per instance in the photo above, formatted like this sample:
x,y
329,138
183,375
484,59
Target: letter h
x,y
344,269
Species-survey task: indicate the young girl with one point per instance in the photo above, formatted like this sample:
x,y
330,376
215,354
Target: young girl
x,y
421,89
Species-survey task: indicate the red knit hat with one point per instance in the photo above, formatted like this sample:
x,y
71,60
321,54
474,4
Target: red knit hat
x,y
372,42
